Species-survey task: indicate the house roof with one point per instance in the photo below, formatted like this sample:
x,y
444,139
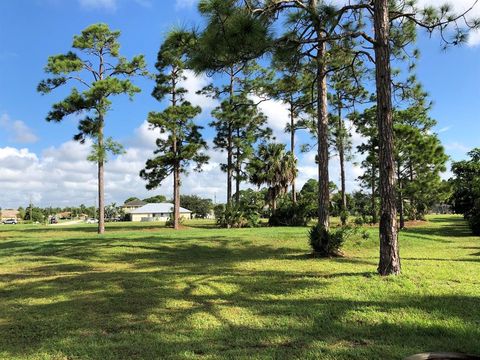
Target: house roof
x,y
157,208
9,213
135,203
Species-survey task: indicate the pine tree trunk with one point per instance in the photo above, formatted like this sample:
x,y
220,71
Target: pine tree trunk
x,y
101,183
176,197
374,202
400,198
412,200
389,253
292,148
341,154
230,142
322,149
238,170
229,167
176,166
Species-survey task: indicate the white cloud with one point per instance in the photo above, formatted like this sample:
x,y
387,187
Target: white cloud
x,y
277,114
194,83
62,176
444,129
18,131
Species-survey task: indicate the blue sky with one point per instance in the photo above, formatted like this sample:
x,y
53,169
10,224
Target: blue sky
x,y
38,159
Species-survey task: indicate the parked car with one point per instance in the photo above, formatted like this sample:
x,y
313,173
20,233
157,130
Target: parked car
x,y
53,220
91,221
10,221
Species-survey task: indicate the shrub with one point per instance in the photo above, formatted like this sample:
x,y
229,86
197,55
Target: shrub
x,y
344,216
236,217
169,222
326,243
359,221
329,243
290,215
473,218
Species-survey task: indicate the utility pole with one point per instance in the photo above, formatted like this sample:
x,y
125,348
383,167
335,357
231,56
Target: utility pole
x,y
31,219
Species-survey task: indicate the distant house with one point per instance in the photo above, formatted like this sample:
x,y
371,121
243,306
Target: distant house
x,y
9,214
441,209
64,215
157,212
133,205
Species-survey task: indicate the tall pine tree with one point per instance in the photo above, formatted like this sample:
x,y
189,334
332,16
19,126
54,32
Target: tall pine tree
x,y
103,73
184,143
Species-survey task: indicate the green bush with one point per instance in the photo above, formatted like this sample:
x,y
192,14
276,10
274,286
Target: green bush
x,y
290,215
169,222
326,243
236,217
359,221
473,218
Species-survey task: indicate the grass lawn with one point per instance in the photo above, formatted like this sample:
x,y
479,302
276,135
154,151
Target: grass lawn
x,y
145,292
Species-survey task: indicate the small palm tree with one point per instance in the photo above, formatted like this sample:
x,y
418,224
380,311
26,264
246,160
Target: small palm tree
x,y
274,167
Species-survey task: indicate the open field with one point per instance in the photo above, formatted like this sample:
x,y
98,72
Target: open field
x,y
145,292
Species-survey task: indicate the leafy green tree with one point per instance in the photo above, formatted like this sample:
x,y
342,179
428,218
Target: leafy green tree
x,y
21,212
184,143
130,199
466,189
418,155
366,126
274,167
34,214
200,208
99,68
114,212
155,199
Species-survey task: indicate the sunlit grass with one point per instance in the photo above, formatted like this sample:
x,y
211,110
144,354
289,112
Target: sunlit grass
x,y
146,292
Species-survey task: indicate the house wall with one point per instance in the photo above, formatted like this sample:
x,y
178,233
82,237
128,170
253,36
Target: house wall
x,y
9,214
129,209
156,217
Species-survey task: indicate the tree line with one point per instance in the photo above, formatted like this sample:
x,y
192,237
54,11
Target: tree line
x,y
320,60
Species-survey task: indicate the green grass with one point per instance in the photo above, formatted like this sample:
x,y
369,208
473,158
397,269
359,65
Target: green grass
x,y
145,292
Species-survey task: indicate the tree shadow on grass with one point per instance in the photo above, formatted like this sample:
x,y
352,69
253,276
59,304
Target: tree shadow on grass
x,y
124,314
455,227
190,298
92,228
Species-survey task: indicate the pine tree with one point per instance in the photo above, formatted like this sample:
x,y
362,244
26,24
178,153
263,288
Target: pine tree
x,y
293,87
184,143
109,72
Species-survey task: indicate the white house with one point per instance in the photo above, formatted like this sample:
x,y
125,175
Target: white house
x,y
157,212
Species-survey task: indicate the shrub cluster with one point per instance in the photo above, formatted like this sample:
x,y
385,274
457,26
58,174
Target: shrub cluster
x,y
236,216
473,218
328,243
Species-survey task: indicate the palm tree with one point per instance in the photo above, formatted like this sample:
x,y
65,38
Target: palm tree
x,y
274,167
